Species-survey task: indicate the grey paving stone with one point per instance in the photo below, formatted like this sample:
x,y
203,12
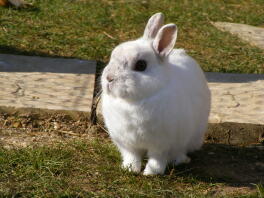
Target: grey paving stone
x,y
237,98
46,83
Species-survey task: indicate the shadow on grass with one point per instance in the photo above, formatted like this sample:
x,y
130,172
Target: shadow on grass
x,y
24,8
215,77
17,63
234,165
4,49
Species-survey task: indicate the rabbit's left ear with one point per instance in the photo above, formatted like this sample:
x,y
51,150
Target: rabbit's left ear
x,y
154,24
165,40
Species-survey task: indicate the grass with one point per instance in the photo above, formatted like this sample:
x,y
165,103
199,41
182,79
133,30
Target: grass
x,y
38,161
91,29
91,168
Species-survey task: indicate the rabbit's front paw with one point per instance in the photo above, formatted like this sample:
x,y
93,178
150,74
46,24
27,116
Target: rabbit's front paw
x,y
132,166
155,167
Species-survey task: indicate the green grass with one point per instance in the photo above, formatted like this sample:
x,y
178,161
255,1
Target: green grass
x,y
81,29
91,168
90,30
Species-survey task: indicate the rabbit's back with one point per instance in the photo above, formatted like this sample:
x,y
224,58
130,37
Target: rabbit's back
x,y
196,94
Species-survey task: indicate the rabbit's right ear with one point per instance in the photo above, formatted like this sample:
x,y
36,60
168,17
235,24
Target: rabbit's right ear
x,y
154,24
165,40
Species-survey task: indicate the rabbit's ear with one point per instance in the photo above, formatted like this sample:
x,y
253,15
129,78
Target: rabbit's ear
x,y
165,40
153,26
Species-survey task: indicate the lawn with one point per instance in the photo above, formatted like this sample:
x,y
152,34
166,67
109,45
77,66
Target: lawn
x,y
37,160
90,168
91,29
84,162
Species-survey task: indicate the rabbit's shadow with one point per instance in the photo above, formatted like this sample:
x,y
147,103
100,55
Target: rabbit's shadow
x,y
234,165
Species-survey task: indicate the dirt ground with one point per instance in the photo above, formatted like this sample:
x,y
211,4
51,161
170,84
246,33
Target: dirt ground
x,y
33,129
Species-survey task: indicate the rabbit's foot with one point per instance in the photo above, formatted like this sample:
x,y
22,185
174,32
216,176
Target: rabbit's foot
x,y
132,165
156,165
131,161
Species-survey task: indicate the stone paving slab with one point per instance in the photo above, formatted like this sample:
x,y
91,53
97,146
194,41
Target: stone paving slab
x,y
46,83
253,35
237,98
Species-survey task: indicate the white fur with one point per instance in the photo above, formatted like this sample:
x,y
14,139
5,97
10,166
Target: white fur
x,y
162,111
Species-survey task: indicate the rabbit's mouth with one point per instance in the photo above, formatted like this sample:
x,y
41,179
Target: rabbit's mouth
x,y
111,89
108,88
114,89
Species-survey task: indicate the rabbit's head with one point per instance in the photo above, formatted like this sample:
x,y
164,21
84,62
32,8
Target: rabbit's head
x,y
138,69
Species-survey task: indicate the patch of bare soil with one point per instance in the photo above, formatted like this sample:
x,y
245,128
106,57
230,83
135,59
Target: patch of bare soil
x,y
222,191
235,134
25,130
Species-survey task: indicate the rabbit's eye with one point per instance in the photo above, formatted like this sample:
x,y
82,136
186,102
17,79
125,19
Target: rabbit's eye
x,y
140,65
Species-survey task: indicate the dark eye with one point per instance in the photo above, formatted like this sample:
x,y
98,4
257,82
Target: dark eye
x,y
140,65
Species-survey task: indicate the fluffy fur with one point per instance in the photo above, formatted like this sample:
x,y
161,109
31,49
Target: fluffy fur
x,y
162,111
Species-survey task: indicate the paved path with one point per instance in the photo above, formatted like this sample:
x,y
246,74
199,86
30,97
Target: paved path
x,y
68,84
237,98
46,83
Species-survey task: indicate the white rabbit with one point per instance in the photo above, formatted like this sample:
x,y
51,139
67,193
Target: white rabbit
x,y
155,100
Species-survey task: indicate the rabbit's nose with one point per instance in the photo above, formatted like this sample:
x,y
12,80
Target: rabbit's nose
x,y
110,78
